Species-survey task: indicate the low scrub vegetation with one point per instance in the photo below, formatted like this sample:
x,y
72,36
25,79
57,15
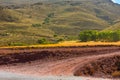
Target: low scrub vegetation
x,y
36,25
43,41
104,36
28,24
16,44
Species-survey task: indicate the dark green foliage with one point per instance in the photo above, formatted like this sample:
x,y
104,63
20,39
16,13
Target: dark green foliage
x,y
116,35
105,36
46,21
36,25
55,35
42,41
89,35
112,36
60,40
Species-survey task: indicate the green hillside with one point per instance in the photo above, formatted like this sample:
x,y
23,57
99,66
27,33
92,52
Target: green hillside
x,y
26,24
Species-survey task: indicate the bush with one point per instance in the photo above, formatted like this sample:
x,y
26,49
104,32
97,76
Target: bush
x,y
60,40
88,35
51,15
46,21
55,35
42,41
36,25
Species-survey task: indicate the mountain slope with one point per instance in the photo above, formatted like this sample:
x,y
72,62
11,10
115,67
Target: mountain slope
x,y
35,19
11,2
78,15
114,27
8,15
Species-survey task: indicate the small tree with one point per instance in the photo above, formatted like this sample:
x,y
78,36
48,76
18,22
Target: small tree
x,y
116,36
88,35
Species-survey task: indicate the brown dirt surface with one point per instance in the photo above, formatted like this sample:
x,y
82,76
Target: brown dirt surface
x,y
69,61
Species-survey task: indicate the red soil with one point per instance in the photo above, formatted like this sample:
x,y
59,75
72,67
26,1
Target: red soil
x,y
75,61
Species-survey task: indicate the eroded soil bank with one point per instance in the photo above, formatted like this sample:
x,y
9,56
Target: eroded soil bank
x,y
102,67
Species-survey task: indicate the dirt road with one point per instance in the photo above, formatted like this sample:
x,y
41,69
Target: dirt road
x,y
74,61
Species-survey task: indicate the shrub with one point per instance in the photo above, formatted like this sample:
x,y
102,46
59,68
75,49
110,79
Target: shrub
x,y
88,35
55,35
60,40
51,15
36,25
42,41
46,21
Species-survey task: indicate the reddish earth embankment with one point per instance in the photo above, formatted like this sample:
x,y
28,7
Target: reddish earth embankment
x,y
74,61
101,67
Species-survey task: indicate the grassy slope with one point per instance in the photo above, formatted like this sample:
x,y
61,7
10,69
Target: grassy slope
x,y
21,30
114,27
69,19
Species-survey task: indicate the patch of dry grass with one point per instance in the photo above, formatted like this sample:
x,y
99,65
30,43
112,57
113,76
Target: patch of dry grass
x,y
68,44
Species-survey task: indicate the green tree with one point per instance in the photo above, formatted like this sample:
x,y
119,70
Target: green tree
x,y
116,36
105,36
88,35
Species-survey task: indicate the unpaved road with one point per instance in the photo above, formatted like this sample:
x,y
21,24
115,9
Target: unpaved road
x,y
13,76
52,61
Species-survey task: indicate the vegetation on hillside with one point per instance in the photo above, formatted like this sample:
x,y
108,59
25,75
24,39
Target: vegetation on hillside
x,y
8,15
104,36
27,23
